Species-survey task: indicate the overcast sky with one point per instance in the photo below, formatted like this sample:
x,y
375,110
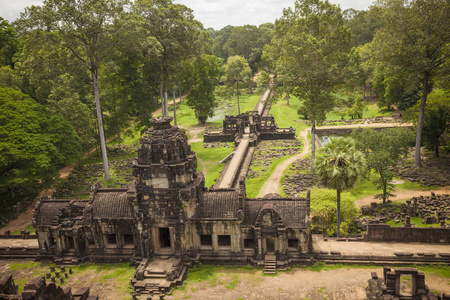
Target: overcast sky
x,y
212,13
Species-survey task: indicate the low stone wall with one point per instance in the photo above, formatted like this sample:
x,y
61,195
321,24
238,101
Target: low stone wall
x,y
386,233
218,137
24,234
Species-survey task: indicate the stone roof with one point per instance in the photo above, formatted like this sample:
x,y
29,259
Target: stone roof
x,y
111,204
218,205
50,210
293,212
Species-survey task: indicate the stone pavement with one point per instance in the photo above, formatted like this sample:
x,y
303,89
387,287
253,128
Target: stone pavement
x,y
19,243
346,248
375,248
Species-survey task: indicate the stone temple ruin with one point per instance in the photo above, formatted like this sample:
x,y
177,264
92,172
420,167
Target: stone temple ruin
x,y
38,288
400,284
167,220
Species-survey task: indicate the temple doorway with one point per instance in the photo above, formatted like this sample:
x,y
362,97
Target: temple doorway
x,y
270,245
164,238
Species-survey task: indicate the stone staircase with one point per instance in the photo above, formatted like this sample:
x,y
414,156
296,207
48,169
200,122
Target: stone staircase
x,y
155,277
270,264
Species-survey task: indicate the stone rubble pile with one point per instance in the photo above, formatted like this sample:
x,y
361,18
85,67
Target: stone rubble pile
x,y
434,209
299,178
434,172
268,151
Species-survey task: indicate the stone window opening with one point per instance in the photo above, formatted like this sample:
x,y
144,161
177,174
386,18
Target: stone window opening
x,y
293,244
206,240
249,244
51,240
224,241
164,237
111,239
128,240
90,241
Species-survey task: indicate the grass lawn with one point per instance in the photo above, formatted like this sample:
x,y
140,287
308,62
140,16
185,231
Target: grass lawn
x,y
210,158
414,220
254,185
367,187
112,277
372,111
286,115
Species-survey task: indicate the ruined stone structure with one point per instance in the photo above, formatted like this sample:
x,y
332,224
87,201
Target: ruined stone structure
x,y
251,122
401,283
167,220
38,289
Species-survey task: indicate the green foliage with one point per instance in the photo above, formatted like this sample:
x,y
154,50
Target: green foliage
x,y
33,141
324,212
309,52
237,70
248,41
383,149
436,119
357,109
211,158
412,45
202,77
9,43
339,166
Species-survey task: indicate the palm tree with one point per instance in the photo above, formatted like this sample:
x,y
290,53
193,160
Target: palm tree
x,y
339,166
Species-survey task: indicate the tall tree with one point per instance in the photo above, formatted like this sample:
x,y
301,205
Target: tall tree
x,y
237,70
202,77
84,27
383,150
308,53
174,27
415,38
339,166
436,119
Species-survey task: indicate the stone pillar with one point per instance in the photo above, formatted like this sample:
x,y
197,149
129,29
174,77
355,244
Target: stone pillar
x,y
215,242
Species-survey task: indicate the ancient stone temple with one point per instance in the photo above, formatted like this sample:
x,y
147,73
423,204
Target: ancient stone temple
x,y
167,219
258,128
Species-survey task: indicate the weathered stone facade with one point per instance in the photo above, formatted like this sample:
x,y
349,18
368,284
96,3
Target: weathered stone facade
x,y
259,127
168,213
401,283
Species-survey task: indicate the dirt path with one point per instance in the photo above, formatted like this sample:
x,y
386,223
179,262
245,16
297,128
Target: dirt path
x,y
194,133
401,195
25,218
273,183
344,283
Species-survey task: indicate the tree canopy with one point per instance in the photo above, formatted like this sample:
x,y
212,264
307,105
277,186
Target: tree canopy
x,y
414,42
308,53
34,142
383,150
339,166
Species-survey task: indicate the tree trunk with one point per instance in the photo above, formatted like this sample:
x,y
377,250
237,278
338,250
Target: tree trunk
x,y
338,212
436,150
118,133
417,162
174,105
237,93
100,123
179,90
162,97
166,103
313,140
